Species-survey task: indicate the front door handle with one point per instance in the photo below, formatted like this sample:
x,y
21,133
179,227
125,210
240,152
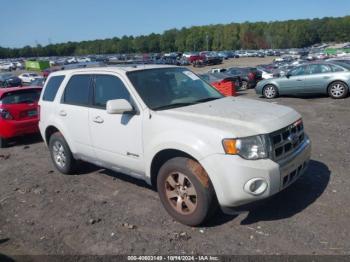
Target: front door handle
x,y
62,113
98,120
299,79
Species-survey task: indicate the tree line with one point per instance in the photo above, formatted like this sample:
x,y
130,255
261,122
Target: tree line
x,y
233,36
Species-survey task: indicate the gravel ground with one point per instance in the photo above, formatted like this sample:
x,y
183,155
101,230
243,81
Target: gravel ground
x,y
102,212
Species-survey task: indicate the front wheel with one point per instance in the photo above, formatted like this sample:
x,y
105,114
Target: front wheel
x,y
270,91
338,90
61,155
244,85
186,192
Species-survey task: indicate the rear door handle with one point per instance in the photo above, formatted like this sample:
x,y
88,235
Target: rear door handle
x,y
98,120
299,79
62,113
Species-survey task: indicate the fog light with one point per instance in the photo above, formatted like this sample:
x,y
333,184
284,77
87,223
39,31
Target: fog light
x,y
256,186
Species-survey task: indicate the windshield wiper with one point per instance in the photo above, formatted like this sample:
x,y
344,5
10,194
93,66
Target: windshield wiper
x,y
173,106
207,99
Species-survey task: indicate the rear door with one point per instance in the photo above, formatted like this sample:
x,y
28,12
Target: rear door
x,y
317,78
73,114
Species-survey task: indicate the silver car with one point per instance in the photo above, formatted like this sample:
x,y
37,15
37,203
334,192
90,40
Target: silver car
x,y
314,78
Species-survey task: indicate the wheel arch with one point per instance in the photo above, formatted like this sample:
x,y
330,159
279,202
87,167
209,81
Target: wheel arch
x,y
160,158
333,81
49,131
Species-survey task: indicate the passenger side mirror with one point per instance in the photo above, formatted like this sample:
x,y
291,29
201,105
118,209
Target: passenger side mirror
x,y
119,106
288,75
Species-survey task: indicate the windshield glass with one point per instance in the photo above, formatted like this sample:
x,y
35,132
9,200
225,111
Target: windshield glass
x,y
165,88
5,76
19,97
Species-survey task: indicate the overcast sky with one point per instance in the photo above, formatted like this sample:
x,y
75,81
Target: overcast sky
x,y
41,22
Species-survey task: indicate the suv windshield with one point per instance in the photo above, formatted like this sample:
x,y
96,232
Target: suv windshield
x,y
166,88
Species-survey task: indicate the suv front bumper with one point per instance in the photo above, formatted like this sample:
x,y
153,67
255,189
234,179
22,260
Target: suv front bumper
x,y
231,175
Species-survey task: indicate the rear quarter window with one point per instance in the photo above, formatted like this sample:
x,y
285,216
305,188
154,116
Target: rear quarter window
x,y
52,88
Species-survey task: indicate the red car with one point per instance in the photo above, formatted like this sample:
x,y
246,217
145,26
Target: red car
x,y
18,112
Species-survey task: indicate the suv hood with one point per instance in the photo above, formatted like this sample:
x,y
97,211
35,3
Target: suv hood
x,y
240,117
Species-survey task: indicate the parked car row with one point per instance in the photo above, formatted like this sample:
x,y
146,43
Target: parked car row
x,y
10,80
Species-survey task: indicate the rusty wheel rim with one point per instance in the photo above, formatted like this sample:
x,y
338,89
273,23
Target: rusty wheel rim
x,y
181,193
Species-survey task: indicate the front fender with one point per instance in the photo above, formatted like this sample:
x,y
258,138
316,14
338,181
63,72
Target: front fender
x,y
189,144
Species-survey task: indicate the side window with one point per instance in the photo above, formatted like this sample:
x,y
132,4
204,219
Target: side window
x,y
107,88
319,69
300,70
52,88
336,68
77,90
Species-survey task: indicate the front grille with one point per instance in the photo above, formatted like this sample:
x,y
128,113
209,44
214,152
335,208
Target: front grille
x,y
286,140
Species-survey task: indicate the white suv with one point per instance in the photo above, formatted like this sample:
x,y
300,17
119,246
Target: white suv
x,y
165,125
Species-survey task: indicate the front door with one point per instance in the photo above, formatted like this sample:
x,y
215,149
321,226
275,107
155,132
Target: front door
x,y
116,138
294,82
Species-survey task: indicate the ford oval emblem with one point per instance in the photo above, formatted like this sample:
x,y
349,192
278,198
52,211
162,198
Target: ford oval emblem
x,y
293,138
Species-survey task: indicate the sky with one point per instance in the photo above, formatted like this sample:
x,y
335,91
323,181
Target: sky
x,y
55,21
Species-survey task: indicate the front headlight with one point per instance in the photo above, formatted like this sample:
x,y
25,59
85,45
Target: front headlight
x,y
252,148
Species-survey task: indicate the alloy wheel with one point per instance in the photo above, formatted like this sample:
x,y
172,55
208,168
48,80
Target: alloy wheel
x,y
59,154
181,193
337,90
244,85
270,92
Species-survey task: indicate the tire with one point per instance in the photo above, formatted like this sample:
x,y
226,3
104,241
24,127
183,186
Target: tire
x,y
186,192
61,154
338,90
270,92
3,142
244,85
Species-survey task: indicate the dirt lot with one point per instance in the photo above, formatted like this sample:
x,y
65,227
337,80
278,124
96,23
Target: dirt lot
x,y
102,212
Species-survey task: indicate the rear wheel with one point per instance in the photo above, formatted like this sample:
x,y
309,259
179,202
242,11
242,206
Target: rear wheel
x,y
338,90
270,91
3,142
186,192
61,155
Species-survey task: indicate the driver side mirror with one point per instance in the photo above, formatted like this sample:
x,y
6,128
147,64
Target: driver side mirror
x,y
119,106
288,75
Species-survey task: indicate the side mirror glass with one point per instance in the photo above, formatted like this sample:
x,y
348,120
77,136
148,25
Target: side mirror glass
x,y
119,106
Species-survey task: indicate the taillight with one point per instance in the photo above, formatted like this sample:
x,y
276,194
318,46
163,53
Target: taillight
x,y
4,114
